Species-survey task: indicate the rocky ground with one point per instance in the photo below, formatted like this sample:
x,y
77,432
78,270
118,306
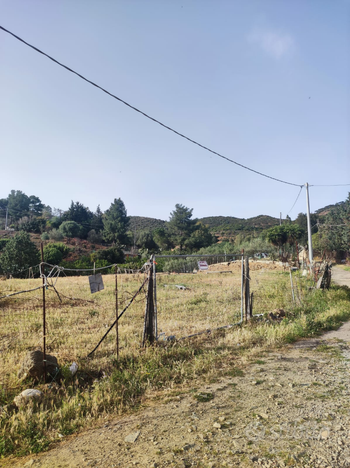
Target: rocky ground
x,y
288,408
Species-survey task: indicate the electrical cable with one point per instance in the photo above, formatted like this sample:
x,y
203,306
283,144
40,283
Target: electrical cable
x,y
146,115
330,185
301,188
334,225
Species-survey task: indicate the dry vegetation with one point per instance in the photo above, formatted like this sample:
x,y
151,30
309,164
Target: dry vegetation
x,y
105,385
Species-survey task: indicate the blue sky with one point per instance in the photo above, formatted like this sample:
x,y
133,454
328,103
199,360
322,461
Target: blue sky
x,y
265,83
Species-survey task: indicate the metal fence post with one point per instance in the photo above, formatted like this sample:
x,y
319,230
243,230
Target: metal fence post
x,y
44,312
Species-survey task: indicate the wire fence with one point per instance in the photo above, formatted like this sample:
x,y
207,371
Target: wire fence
x,y
189,304
78,323
73,319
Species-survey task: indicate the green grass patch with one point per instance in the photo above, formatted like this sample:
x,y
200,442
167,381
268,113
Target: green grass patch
x,y
203,397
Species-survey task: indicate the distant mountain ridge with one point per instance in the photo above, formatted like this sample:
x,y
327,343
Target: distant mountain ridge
x,y
222,225
216,224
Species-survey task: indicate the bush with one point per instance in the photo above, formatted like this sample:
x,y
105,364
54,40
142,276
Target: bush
x,y
86,263
70,229
180,265
94,237
27,224
56,235
3,243
19,254
52,254
45,236
55,222
112,255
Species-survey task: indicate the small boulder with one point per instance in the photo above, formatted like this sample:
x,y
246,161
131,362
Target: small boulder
x,y
32,365
28,395
132,437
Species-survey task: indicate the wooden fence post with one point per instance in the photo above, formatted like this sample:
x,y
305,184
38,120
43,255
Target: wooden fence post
x,y
116,309
242,286
149,324
247,297
155,297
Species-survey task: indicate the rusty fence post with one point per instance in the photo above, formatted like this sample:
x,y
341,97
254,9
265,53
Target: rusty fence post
x,y
116,310
44,312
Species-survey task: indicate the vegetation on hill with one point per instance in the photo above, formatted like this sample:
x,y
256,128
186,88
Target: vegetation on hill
x,y
141,223
88,233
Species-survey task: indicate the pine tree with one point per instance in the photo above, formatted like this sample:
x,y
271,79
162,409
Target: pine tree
x,y
116,223
181,226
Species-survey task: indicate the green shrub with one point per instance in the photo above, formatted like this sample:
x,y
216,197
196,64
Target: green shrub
x,y
112,255
180,265
3,243
19,254
94,237
85,263
56,235
70,229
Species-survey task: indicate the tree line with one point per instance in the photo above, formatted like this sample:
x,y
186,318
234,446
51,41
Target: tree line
x,y
180,234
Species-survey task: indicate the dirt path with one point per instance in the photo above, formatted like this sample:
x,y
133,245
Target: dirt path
x,y
288,409
340,276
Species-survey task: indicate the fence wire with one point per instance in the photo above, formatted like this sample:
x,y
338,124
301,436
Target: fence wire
x,y
189,304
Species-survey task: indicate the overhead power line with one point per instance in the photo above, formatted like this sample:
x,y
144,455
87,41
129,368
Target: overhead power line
x,y
330,185
301,188
146,115
334,225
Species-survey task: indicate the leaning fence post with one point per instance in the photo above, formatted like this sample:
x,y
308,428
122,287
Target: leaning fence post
x,y
242,285
291,284
148,329
116,310
42,268
155,297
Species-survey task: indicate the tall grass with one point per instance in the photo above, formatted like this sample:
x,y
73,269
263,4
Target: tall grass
x,y
105,385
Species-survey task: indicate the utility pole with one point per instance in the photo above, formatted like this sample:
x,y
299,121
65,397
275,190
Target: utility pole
x,y
309,235
280,218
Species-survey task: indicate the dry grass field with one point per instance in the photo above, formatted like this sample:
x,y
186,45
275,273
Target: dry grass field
x,y
75,322
105,385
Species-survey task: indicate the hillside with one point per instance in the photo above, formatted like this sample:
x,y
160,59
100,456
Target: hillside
x,y
216,224
326,209
140,223
231,224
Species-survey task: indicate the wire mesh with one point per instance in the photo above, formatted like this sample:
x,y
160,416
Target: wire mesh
x,y
192,303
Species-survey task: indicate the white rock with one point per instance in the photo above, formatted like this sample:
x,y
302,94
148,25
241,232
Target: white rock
x,y
73,368
27,395
132,437
29,463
